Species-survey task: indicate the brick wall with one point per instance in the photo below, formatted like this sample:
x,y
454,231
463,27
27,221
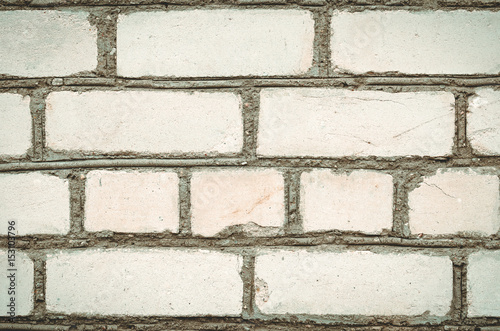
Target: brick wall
x,y
250,165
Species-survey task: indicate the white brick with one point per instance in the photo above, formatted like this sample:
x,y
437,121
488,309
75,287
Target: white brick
x,y
456,201
145,121
428,42
349,283
15,124
360,201
483,287
231,197
132,201
219,42
43,43
335,122
38,203
483,122
169,282
23,289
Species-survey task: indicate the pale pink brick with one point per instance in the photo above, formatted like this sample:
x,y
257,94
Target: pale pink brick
x,y
221,198
132,201
460,200
359,201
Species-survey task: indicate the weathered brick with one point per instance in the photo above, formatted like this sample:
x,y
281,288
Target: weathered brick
x,y
44,43
171,282
236,197
23,287
38,203
15,124
217,42
132,201
483,287
454,201
302,282
359,201
483,122
144,122
425,42
335,123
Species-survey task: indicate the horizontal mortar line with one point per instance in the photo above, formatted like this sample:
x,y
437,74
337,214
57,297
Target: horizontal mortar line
x,y
49,242
33,327
235,82
284,322
280,4
366,163
105,163
159,4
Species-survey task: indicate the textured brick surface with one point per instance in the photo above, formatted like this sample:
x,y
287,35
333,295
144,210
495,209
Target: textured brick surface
x,y
360,201
132,201
335,122
15,124
483,285
144,121
483,122
301,282
425,42
219,42
232,197
23,288
38,203
169,282
456,201
46,43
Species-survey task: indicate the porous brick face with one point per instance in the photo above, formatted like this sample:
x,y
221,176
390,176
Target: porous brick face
x,y
215,42
16,283
144,122
144,282
37,203
335,123
456,201
483,286
428,42
303,282
250,164
132,201
483,122
46,43
224,198
15,124
359,201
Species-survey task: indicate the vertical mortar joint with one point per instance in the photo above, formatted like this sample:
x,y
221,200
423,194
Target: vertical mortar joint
x,y
293,219
250,99
39,282
106,22
37,108
247,275
185,202
461,146
77,202
321,56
